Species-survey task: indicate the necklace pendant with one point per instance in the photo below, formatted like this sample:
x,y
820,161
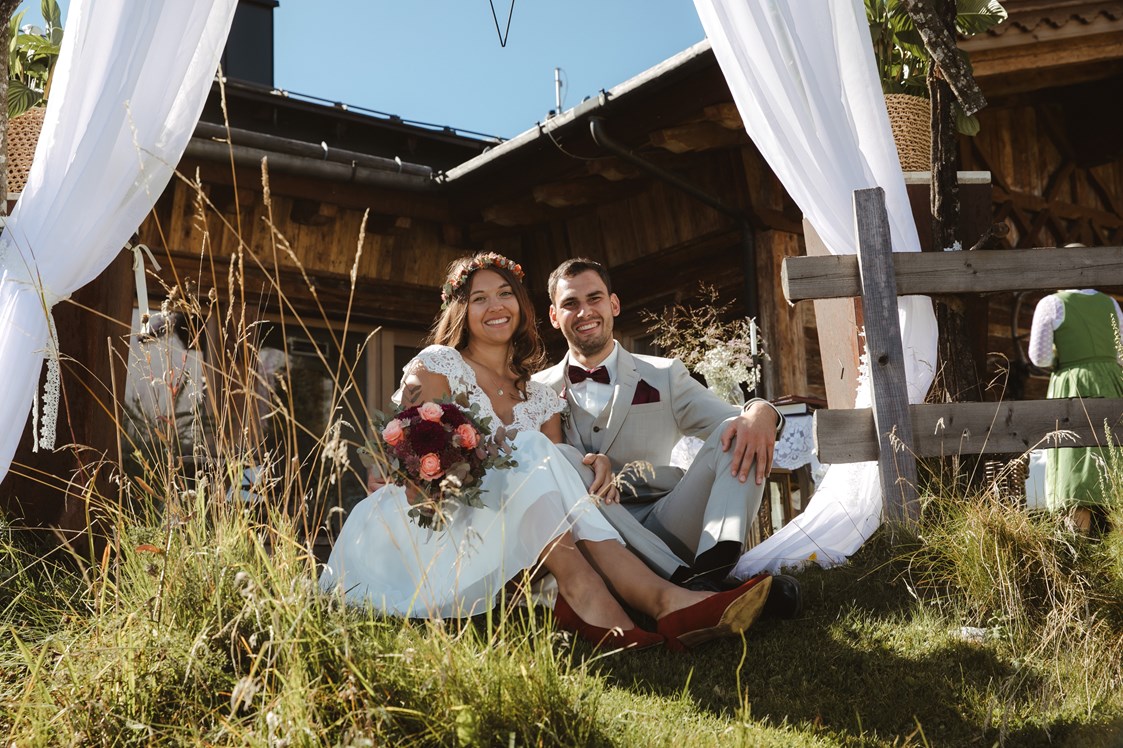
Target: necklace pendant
x,y
499,392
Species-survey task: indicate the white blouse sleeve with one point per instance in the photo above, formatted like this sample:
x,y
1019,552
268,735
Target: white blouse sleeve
x,y
1047,317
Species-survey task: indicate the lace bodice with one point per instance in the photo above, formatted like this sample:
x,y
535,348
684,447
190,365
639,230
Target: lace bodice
x,y
541,401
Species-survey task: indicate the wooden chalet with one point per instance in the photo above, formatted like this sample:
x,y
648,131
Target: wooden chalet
x,y
656,177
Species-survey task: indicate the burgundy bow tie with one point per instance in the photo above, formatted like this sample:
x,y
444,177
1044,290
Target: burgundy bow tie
x,y
578,374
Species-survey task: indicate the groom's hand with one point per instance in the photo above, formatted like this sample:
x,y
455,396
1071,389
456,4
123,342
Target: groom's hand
x,y
752,435
603,484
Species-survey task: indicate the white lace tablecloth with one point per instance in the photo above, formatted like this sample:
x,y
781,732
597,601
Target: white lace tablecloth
x,y
794,449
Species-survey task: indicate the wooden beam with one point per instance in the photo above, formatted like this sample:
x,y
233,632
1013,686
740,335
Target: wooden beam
x,y
959,272
1014,427
613,169
896,459
724,114
566,194
521,213
697,136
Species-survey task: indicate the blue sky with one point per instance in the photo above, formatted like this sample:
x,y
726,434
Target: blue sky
x,y
440,61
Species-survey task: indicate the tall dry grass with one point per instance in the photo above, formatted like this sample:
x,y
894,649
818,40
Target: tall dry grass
x,y
202,622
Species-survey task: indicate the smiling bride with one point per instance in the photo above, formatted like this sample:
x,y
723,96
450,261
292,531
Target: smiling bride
x,y
536,517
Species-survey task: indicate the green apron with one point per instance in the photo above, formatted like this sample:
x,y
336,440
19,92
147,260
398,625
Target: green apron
x,y
1086,366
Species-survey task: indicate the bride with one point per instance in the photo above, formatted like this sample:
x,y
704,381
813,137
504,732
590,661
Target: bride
x,y
536,516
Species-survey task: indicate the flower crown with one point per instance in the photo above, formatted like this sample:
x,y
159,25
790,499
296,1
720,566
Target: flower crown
x,y
479,262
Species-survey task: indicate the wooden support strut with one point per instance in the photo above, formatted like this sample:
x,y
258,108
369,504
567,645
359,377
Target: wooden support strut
x,y
896,457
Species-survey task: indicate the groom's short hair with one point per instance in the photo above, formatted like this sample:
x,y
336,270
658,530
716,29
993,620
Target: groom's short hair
x,y
572,269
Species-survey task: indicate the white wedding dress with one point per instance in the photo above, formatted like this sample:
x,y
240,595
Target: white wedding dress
x,y
383,558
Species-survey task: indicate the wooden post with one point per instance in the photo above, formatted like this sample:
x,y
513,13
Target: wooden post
x,y
896,458
837,321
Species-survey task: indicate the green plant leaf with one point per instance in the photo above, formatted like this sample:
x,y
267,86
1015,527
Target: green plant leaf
x,y
52,15
968,125
976,16
21,98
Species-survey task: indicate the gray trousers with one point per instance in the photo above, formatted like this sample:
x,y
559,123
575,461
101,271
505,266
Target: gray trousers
x,y
708,506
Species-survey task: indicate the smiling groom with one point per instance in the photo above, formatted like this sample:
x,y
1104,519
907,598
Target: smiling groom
x,y
634,408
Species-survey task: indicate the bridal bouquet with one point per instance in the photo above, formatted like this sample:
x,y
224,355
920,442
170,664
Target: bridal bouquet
x,y
441,451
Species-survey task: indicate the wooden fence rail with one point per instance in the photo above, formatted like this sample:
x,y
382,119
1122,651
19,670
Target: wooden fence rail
x,y
893,432
837,276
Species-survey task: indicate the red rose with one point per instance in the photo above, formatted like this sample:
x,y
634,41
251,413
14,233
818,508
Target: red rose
x,y
431,467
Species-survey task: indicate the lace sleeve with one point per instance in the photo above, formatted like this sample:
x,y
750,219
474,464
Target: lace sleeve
x,y
439,359
541,403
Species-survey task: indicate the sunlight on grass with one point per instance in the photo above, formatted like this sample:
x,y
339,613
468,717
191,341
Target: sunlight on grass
x,y
196,618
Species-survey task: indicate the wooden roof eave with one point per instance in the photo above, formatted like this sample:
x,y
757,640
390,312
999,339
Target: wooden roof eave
x,y
1029,56
542,134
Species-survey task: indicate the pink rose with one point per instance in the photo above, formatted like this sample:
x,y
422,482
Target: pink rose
x,y
430,412
469,438
392,433
431,466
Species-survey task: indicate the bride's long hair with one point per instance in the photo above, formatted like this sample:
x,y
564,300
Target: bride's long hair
x,y
528,354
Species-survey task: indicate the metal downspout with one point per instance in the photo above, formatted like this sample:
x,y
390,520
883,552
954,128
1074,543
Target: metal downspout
x,y
745,219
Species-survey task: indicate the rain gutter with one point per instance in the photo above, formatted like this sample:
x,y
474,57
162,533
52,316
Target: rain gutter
x,y
302,159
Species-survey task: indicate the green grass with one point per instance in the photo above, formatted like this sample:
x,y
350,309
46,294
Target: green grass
x,y
224,639
201,623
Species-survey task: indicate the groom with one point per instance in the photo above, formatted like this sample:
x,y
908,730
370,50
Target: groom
x,y
635,408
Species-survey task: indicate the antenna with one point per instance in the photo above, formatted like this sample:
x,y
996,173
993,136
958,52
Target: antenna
x,y
557,90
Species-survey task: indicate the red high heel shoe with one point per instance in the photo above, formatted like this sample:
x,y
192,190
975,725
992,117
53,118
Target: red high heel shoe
x,y
724,614
633,638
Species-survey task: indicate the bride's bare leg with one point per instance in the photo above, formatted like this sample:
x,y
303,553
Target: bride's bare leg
x,y
583,587
632,581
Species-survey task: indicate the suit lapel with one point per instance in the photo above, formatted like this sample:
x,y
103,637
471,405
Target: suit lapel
x,y
557,380
613,417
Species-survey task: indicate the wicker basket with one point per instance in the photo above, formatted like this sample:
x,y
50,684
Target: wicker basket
x,y
1006,478
911,120
23,136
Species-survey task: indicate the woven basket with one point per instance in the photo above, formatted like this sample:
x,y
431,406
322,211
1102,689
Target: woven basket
x,y
1006,478
911,120
23,136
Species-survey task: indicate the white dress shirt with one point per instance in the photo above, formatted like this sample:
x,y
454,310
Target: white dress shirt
x,y
594,397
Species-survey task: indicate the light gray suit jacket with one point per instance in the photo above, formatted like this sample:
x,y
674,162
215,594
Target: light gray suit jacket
x,y
645,432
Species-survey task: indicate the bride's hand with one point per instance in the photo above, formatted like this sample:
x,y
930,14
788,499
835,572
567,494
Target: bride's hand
x,y
604,485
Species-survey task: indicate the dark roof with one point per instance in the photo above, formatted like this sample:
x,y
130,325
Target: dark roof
x,y
272,111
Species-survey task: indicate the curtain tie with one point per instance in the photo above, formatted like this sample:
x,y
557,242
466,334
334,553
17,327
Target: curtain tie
x,y
139,250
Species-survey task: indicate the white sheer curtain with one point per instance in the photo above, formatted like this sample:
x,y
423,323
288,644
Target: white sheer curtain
x,y
803,77
128,88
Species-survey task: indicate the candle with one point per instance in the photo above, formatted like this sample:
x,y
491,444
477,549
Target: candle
x,y
752,338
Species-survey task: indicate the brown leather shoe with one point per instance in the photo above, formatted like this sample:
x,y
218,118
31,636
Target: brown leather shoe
x,y
724,614
633,638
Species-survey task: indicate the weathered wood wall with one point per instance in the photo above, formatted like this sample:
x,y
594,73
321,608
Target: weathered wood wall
x,y
1052,185
315,231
